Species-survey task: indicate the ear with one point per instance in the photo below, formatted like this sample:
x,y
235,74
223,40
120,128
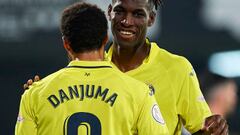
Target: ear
x,y
66,44
151,19
105,40
102,48
109,12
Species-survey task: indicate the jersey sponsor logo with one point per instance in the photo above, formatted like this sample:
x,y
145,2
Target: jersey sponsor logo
x,y
20,118
82,92
157,114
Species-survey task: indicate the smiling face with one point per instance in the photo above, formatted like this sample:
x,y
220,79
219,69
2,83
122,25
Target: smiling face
x,y
129,21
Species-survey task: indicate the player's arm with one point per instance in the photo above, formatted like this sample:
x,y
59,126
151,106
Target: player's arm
x,y
214,125
25,124
30,82
195,112
150,121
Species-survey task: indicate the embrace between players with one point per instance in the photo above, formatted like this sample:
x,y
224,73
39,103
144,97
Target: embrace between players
x,y
114,103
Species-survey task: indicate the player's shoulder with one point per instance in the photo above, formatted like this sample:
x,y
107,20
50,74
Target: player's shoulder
x,y
171,60
131,84
40,86
128,80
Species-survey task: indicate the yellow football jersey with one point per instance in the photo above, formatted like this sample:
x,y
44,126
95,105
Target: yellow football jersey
x,y
89,98
176,89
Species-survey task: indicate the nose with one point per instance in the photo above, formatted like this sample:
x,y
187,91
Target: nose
x,y
127,20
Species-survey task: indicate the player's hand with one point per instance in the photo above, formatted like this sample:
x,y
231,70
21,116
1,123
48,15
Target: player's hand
x,y
30,82
215,125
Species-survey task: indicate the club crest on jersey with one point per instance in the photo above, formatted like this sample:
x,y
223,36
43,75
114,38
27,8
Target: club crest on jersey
x,y
152,90
157,114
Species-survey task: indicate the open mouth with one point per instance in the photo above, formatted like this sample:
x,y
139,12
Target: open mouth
x,y
126,33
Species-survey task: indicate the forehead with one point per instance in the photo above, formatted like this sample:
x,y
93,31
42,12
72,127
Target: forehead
x,y
131,4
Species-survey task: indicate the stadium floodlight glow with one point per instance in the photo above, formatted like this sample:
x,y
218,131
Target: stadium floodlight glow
x,y
225,63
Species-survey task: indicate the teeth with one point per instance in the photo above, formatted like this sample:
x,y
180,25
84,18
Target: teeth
x,y
126,32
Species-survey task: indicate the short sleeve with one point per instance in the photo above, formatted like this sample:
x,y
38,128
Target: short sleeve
x,y
25,124
191,105
150,121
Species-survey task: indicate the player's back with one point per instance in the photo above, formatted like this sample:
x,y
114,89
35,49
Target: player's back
x,y
91,98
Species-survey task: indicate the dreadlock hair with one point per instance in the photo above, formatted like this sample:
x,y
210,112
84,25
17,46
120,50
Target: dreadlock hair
x,y
152,3
155,3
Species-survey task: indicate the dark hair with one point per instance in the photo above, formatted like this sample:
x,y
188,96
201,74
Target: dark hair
x,y
155,3
84,26
152,3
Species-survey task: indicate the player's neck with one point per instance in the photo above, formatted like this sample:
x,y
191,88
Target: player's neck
x,y
129,58
89,56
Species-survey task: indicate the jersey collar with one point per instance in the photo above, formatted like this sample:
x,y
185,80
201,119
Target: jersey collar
x,y
89,64
152,53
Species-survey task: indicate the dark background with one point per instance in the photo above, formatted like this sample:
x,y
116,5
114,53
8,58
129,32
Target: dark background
x,y
31,48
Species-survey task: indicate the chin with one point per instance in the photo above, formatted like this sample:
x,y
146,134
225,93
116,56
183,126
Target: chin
x,y
127,43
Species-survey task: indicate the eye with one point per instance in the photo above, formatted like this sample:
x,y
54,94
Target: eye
x,y
118,10
139,14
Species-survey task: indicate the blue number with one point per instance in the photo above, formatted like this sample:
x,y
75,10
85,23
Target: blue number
x,y
72,123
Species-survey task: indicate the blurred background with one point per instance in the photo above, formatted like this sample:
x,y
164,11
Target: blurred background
x,y
207,32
